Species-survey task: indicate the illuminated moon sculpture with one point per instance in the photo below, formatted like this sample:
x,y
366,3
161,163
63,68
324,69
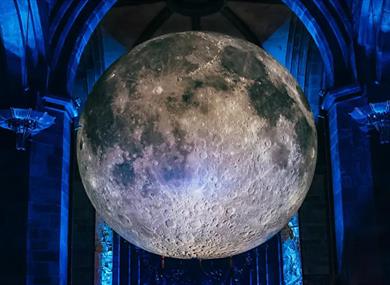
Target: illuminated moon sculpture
x,y
196,145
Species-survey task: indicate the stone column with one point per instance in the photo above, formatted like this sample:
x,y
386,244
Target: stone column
x,y
47,225
353,195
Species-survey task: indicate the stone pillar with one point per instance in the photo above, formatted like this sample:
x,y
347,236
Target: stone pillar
x,y
47,233
353,195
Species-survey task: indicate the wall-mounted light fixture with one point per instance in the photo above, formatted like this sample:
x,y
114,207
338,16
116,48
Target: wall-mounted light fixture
x,y
374,116
25,123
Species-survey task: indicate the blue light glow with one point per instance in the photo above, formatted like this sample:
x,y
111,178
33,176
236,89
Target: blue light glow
x,y
104,253
10,28
276,44
292,267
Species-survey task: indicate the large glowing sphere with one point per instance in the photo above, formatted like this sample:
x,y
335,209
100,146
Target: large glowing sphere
x,y
196,145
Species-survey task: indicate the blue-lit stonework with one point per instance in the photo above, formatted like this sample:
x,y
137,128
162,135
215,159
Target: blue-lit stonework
x,y
292,264
104,255
22,37
352,191
52,52
48,205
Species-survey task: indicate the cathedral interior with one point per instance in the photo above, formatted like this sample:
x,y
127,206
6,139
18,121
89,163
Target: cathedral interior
x,y
53,51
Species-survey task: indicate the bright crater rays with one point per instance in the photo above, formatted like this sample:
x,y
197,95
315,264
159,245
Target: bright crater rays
x,y
196,145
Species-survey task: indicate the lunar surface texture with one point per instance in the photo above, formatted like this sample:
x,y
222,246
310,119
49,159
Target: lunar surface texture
x,y
196,145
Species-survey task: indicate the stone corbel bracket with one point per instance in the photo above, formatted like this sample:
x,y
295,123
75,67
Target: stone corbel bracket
x,y
60,104
330,97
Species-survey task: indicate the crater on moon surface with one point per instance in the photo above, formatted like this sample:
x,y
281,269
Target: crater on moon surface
x,y
196,145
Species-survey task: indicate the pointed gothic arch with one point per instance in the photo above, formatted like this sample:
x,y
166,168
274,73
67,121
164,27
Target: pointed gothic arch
x,y
73,22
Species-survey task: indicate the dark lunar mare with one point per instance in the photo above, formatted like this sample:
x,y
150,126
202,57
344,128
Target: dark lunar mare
x,y
270,101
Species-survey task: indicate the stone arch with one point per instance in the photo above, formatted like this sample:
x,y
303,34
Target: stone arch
x,y
22,44
327,23
73,23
